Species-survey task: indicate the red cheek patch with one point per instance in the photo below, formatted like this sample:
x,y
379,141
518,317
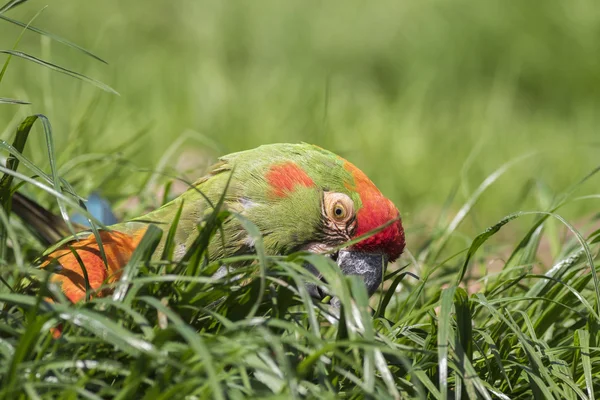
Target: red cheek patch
x,y
376,211
283,178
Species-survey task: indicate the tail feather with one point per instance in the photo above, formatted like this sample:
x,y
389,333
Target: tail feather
x,y
48,227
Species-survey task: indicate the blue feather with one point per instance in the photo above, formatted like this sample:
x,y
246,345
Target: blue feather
x,y
99,207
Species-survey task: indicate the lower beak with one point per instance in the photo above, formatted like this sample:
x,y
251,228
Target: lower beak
x,y
369,266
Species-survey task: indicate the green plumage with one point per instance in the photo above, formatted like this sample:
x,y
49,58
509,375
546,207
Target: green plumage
x,y
287,223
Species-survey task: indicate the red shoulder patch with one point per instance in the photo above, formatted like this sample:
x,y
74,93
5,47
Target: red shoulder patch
x,y
283,178
376,211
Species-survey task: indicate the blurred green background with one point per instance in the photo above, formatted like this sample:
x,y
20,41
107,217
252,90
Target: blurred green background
x,y
425,97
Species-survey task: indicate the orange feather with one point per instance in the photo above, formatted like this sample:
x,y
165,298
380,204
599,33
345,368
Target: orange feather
x,y
118,247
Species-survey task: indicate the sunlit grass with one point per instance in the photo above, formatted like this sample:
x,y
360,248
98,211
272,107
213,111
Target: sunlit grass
x,y
443,325
171,329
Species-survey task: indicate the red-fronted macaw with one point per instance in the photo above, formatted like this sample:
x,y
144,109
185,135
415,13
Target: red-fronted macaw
x,y
300,196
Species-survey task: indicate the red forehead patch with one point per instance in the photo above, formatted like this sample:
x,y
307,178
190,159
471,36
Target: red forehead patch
x,y
376,211
283,178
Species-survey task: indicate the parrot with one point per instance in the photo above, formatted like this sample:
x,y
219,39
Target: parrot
x,y
301,197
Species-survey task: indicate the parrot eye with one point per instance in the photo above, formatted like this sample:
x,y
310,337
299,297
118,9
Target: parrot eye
x,y
338,206
339,211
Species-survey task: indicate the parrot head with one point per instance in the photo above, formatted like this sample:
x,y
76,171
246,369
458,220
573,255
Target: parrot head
x,y
303,197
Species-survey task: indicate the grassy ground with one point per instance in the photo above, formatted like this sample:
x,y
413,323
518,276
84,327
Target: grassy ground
x,y
462,112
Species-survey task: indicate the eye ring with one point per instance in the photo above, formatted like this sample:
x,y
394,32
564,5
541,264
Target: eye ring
x,y
339,207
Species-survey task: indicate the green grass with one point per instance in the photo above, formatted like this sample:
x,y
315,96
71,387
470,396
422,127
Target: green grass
x,y
478,119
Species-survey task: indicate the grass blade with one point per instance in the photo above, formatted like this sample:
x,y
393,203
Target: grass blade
x,y
11,4
12,164
4,100
466,208
52,36
60,69
195,342
143,252
583,337
444,334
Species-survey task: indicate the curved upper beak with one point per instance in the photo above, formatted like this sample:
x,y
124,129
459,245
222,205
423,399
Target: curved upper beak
x,y
369,266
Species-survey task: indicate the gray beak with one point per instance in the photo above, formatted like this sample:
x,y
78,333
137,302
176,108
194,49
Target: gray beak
x,y
369,266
